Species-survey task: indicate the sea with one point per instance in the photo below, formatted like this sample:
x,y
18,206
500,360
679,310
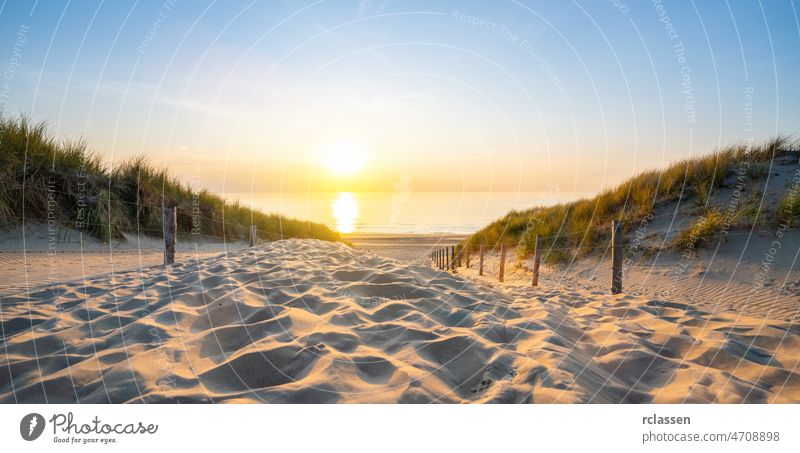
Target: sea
x,y
401,212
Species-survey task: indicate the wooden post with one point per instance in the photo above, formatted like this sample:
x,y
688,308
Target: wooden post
x,y
502,262
616,257
446,258
460,252
480,268
452,257
252,235
439,258
537,256
466,258
170,233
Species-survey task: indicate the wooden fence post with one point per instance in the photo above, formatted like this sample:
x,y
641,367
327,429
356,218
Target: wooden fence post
x,y
252,235
452,257
480,267
446,258
466,258
170,233
440,259
502,262
460,252
616,257
537,256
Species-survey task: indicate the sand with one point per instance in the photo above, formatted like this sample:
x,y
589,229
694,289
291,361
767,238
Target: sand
x,y
40,256
310,321
403,247
745,275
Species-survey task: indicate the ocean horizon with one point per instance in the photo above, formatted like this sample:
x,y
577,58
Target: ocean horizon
x,y
402,212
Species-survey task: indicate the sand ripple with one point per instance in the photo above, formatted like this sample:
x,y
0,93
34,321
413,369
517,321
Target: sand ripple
x,y
310,321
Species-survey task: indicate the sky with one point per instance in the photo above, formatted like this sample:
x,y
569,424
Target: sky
x,y
458,96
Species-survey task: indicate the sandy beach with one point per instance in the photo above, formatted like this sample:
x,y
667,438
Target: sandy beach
x,y
403,247
37,258
314,321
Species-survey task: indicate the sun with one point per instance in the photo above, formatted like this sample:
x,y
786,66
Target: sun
x,y
345,158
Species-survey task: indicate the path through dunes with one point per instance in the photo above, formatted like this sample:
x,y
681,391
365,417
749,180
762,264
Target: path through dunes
x,y
313,321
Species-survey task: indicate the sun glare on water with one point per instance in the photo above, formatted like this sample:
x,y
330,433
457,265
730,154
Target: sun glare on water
x,y
345,212
345,158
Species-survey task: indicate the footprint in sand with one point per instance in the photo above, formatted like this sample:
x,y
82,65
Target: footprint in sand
x,y
493,374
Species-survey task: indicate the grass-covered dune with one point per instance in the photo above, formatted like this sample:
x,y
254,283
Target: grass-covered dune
x,y
44,180
724,190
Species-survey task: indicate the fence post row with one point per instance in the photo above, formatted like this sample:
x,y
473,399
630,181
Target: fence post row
x,y
170,233
616,257
502,262
536,259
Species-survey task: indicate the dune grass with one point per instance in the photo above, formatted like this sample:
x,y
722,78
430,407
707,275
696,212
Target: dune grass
x,y
578,228
701,232
44,180
788,209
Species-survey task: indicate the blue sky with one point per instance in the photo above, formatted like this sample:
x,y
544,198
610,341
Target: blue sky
x,y
467,95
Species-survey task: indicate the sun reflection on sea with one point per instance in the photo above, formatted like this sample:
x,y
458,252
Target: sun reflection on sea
x,y
345,212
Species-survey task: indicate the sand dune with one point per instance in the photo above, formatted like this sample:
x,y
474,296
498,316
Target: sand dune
x,y
729,279
311,321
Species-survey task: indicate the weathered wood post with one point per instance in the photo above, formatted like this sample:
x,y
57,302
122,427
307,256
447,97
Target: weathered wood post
x,y
466,257
441,259
452,257
446,258
482,248
170,233
252,235
502,262
616,257
460,252
537,256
